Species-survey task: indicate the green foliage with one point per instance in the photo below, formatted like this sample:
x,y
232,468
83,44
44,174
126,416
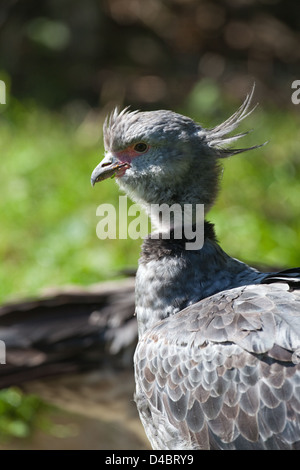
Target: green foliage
x,y
48,207
257,211
20,414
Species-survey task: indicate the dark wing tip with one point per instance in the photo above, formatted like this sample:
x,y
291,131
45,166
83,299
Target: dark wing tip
x,y
290,276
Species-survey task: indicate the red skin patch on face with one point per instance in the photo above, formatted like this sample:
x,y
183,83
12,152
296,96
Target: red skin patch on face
x,y
128,154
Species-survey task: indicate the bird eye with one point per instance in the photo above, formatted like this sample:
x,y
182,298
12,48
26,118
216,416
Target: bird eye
x,y
141,147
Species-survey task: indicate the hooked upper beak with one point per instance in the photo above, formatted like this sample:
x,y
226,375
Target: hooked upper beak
x,y
108,168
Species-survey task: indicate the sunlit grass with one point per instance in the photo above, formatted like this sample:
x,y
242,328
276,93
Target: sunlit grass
x,y
48,207
258,210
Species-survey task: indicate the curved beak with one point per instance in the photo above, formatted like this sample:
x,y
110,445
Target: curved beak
x,y
108,168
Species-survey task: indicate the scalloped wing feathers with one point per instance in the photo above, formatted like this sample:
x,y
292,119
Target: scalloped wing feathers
x,y
224,373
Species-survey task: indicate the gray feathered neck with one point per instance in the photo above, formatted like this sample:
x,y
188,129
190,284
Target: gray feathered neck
x,y
170,278
180,164
157,248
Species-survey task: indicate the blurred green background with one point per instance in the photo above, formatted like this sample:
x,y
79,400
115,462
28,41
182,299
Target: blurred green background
x,y
67,63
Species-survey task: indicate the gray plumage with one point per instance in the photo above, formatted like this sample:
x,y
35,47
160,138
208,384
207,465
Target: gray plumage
x,y
217,363
224,373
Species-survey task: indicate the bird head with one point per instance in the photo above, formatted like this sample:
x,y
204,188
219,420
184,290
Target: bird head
x,y
163,157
